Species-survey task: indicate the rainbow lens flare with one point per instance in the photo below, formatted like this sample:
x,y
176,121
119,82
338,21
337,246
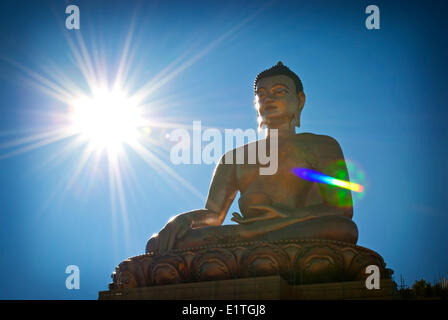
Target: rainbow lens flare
x,y
315,176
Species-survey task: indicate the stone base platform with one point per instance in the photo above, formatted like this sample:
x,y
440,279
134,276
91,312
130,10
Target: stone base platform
x,y
298,261
257,288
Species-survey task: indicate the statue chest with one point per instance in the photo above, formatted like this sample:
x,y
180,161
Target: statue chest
x,y
289,156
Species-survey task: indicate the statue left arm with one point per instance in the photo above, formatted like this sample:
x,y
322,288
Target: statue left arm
x,y
331,163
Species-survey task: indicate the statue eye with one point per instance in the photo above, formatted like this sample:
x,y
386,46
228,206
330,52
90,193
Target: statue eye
x,y
280,92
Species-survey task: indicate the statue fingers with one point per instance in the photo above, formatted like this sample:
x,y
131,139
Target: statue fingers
x,y
237,215
237,220
261,207
269,211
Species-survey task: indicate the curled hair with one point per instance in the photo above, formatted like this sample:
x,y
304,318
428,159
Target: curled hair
x,y
280,69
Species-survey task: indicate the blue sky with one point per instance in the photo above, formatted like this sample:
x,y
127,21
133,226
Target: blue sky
x,y
380,93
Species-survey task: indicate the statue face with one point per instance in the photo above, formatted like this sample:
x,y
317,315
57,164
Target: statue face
x,y
277,100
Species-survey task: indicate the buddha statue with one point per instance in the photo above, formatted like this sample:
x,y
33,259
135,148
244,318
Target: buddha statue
x,y
287,226
276,206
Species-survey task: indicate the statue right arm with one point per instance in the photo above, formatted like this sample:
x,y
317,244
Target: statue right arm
x,y
222,191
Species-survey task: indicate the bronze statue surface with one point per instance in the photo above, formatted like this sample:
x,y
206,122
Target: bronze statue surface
x,y
274,206
288,226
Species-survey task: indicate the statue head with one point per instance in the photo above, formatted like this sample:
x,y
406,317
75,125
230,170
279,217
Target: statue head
x,y
279,97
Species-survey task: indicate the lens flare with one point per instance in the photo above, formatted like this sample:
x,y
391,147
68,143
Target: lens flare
x,y
315,176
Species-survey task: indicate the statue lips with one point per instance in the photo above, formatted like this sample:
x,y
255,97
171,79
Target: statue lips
x,y
270,108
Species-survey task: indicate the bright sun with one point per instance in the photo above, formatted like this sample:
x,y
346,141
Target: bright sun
x,y
107,119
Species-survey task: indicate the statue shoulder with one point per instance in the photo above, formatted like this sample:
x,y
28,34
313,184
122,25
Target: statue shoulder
x,y
316,138
230,157
320,143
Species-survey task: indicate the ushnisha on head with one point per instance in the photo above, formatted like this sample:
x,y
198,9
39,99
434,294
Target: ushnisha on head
x,y
279,97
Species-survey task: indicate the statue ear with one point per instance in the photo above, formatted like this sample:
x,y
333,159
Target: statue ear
x,y
297,119
301,97
260,126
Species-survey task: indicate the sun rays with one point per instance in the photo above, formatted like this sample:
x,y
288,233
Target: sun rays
x,y
103,120
106,115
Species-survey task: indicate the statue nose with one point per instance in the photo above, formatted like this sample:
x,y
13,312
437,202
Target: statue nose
x,y
268,99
